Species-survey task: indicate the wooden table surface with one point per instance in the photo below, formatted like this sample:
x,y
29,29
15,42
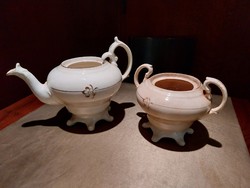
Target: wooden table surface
x,y
39,150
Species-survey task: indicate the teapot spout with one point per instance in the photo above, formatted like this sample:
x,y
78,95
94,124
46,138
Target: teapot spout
x,y
41,91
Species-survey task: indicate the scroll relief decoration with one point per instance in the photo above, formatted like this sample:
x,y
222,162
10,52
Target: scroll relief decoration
x,y
147,102
89,91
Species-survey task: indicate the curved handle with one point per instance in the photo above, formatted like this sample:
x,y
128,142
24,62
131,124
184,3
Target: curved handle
x,y
110,54
223,89
146,76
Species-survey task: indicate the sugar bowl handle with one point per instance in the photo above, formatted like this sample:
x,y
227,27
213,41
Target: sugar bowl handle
x,y
146,76
113,58
223,89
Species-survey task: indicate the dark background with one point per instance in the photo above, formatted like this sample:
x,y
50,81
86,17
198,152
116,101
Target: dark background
x,y
41,34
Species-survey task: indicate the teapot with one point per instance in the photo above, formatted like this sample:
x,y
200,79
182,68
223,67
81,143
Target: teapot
x,y
84,85
173,101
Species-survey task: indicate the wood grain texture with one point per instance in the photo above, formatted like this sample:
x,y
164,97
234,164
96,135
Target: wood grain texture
x,y
242,110
17,110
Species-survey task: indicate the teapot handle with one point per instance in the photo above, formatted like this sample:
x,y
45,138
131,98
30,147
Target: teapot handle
x,y
146,76
223,89
111,55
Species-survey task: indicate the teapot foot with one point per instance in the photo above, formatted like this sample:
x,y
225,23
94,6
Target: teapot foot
x,y
91,119
158,133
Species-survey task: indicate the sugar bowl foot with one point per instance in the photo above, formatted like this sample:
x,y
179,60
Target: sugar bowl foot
x,y
158,133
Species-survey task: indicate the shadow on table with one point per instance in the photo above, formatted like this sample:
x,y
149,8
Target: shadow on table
x,y
117,111
194,141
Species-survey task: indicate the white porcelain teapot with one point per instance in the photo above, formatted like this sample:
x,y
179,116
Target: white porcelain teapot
x,y
85,85
173,101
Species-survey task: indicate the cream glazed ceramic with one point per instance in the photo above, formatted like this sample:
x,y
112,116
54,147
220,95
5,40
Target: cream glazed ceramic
x,y
85,85
173,101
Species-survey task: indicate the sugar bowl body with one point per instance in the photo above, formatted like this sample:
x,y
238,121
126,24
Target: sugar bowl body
x,y
173,101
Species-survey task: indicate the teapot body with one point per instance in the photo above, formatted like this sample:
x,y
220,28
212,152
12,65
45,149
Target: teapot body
x,y
84,79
